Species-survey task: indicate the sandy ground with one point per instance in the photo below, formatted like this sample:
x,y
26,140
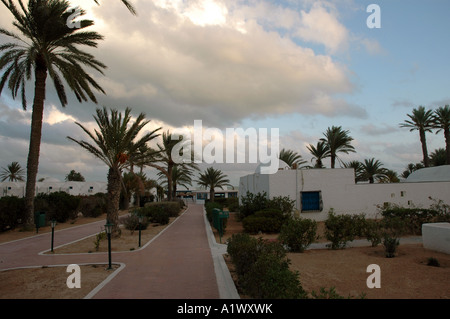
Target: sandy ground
x,y
406,276
50,282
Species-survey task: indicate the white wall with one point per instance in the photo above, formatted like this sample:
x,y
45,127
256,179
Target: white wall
x,y
340,193
73,188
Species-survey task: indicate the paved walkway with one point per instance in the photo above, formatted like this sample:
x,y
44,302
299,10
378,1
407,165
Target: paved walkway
x,y
182,262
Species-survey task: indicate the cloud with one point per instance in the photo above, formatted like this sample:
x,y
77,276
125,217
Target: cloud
x,y
374,130
177,67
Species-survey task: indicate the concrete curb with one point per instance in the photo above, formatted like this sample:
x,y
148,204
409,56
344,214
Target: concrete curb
x,y
227,289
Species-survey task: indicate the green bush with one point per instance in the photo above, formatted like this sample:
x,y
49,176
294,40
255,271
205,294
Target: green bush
x,y
263,268
131,222
266,221
93,205
12,210
282,203
209,206
251,203
160,216
270,278
60,206
172,208
373,231
339,229
413,217
390,246
298,234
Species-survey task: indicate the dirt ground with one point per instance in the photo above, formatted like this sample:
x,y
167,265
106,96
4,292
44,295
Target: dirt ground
x,y
406,276
50,282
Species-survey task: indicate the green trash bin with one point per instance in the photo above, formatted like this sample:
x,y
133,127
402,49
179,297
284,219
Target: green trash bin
x,y
218,217
39,219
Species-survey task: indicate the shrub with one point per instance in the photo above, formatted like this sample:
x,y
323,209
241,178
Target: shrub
x,y
282,203
263,268
339,230
172,208
60,206
373,231
266,221
12,210
131,222
433,262
93,205
209,206
298,234
412,217
270,278
251,203
160,216
390,246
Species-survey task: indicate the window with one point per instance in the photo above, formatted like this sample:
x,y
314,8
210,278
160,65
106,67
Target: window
x,y
402,193
202,195
311,201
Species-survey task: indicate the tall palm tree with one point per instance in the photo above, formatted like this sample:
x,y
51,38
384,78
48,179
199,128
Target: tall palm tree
x,y
421,120
293,159
13,172
213,178
46,47
338,141
319,152
181,175
441,121
165,149
371,169
129,6
114,143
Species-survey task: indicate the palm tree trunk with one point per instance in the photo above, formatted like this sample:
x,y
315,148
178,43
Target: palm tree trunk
x,y
447,145
423,140
169,182
211,194
333,160
35,139
112,206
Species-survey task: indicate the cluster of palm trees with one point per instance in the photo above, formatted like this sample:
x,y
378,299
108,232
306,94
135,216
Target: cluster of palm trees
x,y
426,121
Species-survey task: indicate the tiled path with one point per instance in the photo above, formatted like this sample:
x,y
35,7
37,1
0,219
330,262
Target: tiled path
x,y
182,262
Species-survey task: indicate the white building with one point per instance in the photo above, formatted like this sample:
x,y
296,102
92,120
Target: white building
x,y
317,191
47,187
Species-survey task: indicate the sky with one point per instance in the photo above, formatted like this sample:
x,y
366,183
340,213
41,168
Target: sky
x,y
296,66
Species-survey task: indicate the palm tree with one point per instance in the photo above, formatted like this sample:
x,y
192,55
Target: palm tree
x,y
319,152
389,176
46,46
213,178
13,172
438,157
411,167
293,159
114,143
165,157
129,6
357,166
441,121
181,175
338,141
371,169
421,120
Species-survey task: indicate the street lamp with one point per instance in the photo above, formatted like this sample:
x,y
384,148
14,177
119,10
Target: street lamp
x,y
108,228
140,227
53,223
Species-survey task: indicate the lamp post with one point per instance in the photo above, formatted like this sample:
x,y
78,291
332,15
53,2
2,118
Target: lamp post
x,y
140,227
108,228
53,223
